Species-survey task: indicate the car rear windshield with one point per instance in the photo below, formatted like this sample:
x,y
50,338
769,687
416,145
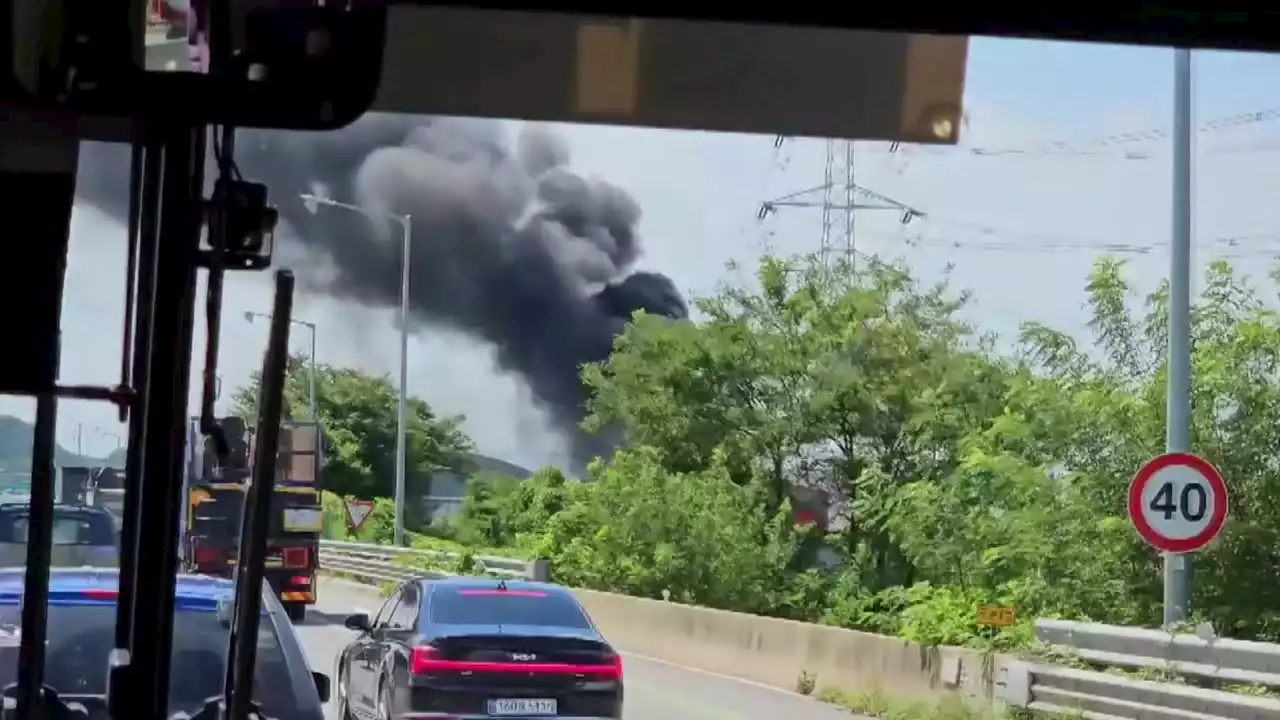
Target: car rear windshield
x,y
81,636
472,606
68,529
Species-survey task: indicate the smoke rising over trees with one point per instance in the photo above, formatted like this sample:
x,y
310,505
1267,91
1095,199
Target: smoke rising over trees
x,y
508,244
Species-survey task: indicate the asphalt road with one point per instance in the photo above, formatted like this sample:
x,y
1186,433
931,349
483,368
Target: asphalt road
x,y
655,690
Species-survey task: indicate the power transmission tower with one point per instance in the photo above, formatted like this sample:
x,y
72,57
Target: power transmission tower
x,y
838,198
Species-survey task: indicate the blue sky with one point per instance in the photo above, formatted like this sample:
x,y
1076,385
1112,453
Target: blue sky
x,y
1020,228
1056,83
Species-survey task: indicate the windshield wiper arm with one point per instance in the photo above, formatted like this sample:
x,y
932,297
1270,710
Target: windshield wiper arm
x,y
255,522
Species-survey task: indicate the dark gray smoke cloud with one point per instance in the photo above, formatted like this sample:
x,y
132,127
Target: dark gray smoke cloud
x,y
508,244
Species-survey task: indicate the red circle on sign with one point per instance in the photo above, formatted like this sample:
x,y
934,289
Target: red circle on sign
x,y
1220,501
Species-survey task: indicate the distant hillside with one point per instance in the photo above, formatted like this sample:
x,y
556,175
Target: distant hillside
x,y
447,484
15,448
484,463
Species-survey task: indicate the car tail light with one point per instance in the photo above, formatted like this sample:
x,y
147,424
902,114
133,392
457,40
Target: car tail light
x,y
615,662
425,659
300,580
429,659
206,555
296,557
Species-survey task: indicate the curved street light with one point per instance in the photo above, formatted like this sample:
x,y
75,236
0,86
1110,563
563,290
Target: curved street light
x,y
313,203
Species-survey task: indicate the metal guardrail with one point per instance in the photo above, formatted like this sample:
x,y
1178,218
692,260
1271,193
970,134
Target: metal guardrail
x,y
1199,665
383,563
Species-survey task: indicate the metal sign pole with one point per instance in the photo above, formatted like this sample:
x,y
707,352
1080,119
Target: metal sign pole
x,y
1177,566
402,412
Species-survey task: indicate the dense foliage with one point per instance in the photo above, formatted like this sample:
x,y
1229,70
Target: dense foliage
x,y
969,476
358,414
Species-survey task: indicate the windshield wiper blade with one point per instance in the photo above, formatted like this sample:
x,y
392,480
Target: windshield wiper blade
x,y
255,523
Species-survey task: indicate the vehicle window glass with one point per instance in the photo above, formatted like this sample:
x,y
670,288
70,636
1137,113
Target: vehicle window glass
x,y
110,500
384,615
67,530
406,613
454,606
81,636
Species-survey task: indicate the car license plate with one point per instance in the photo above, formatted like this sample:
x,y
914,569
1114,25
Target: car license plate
x,y
303,520
522,706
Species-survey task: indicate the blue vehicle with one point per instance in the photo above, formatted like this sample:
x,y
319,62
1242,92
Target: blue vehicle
x,y
81,633
82,536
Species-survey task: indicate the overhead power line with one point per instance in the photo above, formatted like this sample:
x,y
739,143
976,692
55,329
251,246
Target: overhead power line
x,y
838,212
1244,245
1107,146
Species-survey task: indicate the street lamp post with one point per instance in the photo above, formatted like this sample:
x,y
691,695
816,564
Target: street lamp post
x,y
402,416
311,369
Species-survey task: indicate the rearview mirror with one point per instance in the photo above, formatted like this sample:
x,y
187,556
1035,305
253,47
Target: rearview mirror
x,y
357,621
322,685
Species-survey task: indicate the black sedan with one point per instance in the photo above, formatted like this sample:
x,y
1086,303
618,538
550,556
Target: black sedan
x,y
478,648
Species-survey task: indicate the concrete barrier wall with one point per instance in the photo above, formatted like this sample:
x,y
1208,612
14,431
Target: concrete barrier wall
x,y
775,652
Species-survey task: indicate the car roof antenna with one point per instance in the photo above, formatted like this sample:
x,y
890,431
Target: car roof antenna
x,y
502,583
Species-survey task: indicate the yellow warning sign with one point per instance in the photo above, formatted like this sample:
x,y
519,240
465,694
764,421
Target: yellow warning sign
x,y
997,616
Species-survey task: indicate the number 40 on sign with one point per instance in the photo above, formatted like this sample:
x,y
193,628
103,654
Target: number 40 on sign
x,y
1178,503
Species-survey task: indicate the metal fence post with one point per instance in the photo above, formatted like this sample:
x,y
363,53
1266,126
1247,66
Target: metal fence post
x,y
540,570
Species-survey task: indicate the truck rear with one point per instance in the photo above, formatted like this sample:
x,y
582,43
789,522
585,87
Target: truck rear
x,y
216,495
97,487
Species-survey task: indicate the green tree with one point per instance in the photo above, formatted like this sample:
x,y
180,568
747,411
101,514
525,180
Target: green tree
x,y
1036,513
487,515
358,414
640,529
967,476
854,379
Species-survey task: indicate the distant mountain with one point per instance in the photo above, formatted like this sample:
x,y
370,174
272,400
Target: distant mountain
x,y
484,463
15,448
452,483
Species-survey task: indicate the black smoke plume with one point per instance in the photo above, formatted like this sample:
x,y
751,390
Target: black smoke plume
x,y
508,244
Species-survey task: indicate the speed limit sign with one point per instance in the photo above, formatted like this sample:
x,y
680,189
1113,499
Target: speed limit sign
x,y
1178,503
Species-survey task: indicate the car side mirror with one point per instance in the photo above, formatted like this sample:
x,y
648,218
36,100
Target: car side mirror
x,y
322,685
357,621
